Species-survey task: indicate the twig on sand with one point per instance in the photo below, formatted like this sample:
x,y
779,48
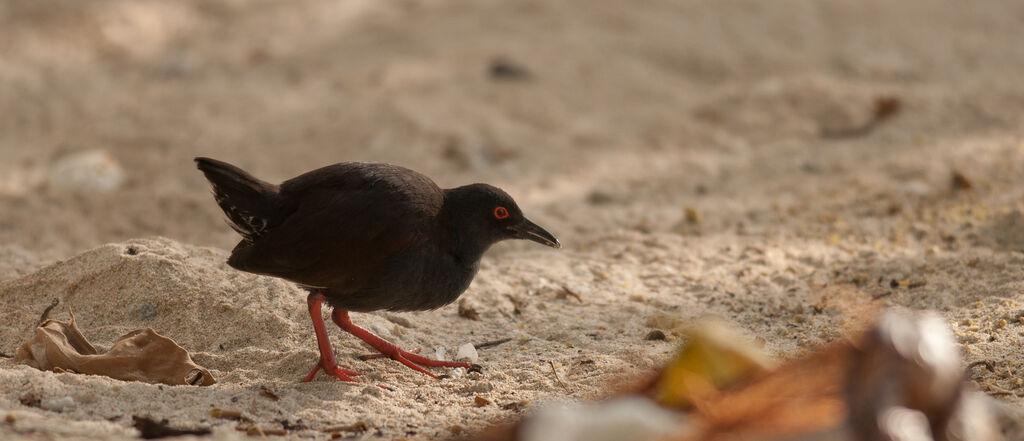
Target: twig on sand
x,y
565,292
557,378
46,312
491,343
987,363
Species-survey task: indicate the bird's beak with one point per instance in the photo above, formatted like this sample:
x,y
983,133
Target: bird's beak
x,y
531,231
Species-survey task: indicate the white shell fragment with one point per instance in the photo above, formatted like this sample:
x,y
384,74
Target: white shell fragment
x,y
57,404
467,352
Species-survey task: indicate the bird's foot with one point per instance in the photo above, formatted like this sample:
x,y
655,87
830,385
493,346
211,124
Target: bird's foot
x,y
411,359
389,350
331,369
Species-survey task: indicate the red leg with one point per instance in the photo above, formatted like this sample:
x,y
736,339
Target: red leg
x,y
340,317
327,361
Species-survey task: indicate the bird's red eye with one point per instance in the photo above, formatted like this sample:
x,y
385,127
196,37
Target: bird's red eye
x,y
500,213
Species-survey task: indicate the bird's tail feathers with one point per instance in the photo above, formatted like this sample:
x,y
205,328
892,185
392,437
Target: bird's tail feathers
x,y
247,201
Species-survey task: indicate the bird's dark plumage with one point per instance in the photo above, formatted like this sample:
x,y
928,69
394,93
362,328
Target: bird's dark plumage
x,y
366,236
249,203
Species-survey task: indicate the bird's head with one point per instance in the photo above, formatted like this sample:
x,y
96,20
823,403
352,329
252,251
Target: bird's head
x,y
484,215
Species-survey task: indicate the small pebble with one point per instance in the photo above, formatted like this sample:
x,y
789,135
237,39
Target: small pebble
x,y
467,352
145,311
57,404
478,387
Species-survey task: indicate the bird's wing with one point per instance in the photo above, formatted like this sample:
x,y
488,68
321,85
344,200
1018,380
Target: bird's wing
x,y
345,221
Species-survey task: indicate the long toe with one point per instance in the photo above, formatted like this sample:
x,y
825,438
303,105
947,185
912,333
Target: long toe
x,y
341,374
416,362
383,355
430,362
333,370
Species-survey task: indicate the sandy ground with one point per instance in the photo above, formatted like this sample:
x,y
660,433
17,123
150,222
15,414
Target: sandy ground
x,y
685,153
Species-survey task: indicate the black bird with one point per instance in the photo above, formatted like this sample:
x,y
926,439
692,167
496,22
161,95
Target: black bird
x,y
366,237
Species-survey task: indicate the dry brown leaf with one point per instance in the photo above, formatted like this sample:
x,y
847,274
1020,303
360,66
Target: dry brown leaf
x,y
802,396
140,355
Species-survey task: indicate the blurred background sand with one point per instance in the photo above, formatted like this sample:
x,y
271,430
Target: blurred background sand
x,y
694,158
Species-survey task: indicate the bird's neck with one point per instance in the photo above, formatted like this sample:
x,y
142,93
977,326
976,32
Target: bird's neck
x,y
465,241
466,251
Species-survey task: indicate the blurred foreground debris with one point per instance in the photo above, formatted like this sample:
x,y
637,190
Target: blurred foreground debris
x,y
902,380
140,355
152,429
625,418
906,382
715,356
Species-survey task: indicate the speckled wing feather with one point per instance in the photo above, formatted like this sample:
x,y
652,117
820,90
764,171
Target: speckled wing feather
x,y
249,203
339,226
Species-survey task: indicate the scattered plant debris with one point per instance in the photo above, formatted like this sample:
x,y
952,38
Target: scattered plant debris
x,y
256,430
516,406
885,107
503,69
960,181
692,216
358,426
228,414
655,335
30,400
517,304
152,429
46,312
554,372
989,365
467,311
267,393
488,344
566,292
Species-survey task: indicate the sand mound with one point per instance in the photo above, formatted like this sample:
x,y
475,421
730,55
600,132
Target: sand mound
x,y
179,290
253,334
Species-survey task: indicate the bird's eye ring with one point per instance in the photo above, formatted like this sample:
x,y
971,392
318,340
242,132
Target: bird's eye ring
x,y
500,213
